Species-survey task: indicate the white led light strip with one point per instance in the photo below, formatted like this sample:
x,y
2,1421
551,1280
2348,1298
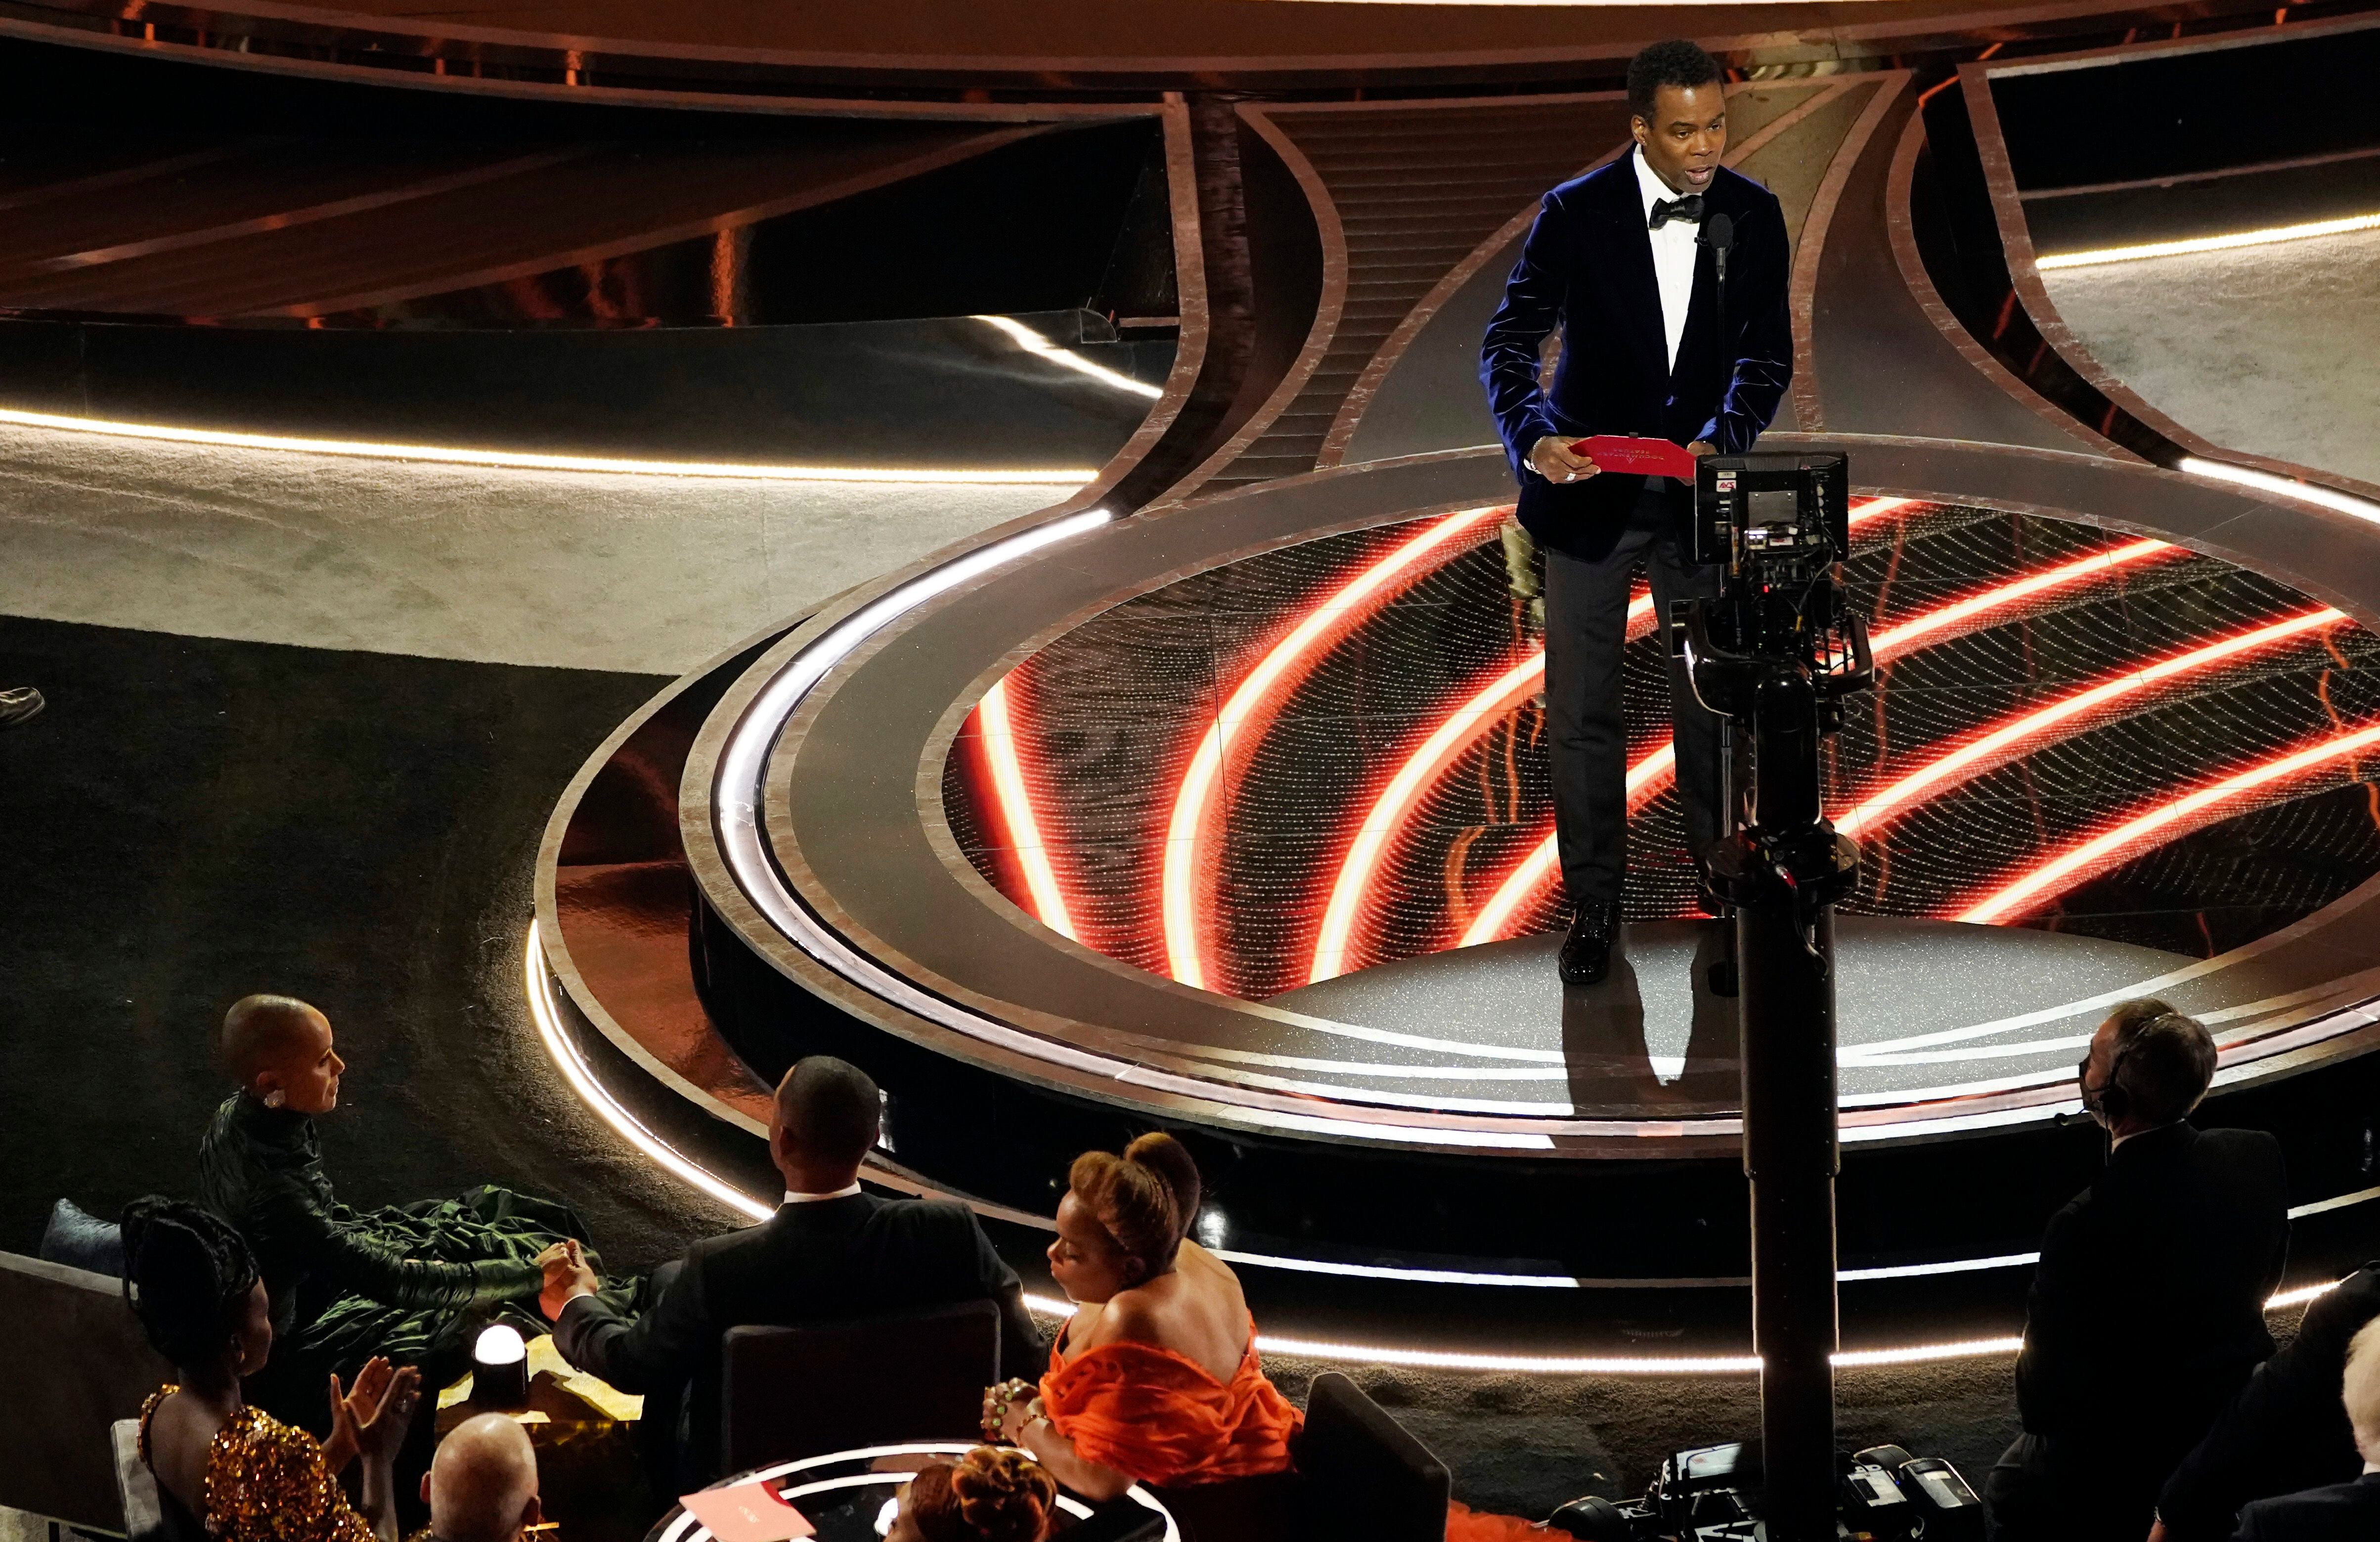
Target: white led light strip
x,y
525,461
575,1070
2208,243
2264,481
1034,343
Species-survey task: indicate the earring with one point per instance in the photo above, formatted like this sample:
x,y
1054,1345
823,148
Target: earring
x,y
274,1098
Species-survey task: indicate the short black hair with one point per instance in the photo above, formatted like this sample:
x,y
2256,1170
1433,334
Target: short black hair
x,y
2164,1061
830,1110
1674,63
186,1276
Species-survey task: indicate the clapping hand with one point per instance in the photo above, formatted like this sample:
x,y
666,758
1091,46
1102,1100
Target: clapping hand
x,y
567,1276
348,1408
371,1419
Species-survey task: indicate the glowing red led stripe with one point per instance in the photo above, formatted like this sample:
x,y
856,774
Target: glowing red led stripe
x,y
1252,706
1426,763
995,718
2000,744
1645,779
2162,823
1538,867
1897,639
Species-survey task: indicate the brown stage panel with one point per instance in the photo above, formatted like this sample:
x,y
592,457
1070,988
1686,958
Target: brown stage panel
x,y
331,225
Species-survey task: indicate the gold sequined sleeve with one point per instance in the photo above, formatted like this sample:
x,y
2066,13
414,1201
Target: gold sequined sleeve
x,y
268,1483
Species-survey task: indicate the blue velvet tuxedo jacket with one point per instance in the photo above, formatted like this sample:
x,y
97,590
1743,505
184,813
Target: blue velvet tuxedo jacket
x,y
1587,268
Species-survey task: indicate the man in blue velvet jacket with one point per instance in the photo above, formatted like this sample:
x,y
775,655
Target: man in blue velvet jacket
x,y
1620,262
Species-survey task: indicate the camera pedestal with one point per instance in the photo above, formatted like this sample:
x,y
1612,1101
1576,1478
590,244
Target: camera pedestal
x,y
1782,893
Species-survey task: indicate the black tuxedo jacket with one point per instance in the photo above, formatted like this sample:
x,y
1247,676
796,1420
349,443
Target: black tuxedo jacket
x,y
1587,268
2147,1310
2285,1431
816,1262
2342,1513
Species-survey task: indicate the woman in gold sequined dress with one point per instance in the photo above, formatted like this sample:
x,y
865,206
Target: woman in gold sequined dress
x,y
222,1466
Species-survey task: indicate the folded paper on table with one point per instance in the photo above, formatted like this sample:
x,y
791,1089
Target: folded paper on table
x,y
1650,457
751,1511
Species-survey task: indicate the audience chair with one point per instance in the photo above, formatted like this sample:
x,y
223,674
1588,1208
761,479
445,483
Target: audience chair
x,y
72,1363
791,1392
1366,1475
147,1516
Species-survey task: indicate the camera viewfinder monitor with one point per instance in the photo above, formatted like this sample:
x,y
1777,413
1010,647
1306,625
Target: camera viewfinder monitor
x,y
1772,513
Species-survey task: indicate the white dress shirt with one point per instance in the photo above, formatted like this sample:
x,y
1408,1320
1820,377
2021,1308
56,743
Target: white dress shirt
x,y
1673,255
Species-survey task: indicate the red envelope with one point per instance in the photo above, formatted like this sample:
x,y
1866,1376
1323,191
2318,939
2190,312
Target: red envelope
x,y
1651,457
751,1511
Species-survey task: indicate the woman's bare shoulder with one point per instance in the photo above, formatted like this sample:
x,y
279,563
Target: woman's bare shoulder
x,y
181,1444
1216,1283
1137,1316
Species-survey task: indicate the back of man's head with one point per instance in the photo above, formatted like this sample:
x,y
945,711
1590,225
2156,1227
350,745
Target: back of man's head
x,y
826,1119
481,1485
2164,1061
2361,1390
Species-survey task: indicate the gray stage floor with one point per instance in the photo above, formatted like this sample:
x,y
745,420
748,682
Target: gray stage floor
x,y
1653,1039
2272,349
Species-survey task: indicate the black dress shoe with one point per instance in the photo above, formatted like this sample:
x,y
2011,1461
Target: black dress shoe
x,y
1586,954
18,704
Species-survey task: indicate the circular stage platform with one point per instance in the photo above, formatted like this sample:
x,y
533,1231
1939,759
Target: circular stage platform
x,y
977,823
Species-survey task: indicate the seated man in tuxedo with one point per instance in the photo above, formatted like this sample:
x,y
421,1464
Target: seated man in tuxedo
x,y
2346,1512
1625,261
2148,1311
2285,1431
830,1252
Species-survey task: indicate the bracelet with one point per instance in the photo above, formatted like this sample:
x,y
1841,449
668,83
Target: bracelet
x,y
997,1401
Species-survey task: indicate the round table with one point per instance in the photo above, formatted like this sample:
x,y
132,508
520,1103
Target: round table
x,y
848,1495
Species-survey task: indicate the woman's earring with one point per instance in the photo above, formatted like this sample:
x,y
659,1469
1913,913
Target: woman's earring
x,y
276,1098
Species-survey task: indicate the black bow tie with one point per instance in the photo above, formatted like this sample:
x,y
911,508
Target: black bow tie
x,y
1689,209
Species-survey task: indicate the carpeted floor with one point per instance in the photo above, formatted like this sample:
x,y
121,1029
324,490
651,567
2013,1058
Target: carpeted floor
x,y
194,819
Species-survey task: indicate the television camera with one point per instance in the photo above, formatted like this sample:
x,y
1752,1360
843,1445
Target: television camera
x,y
1773,654
1713,1494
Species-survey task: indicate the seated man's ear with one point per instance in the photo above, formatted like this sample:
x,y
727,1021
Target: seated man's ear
x,y
531,1514
425,1488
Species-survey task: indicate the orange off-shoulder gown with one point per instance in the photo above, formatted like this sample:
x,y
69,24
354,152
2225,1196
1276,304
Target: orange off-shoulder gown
x,y
1162,1418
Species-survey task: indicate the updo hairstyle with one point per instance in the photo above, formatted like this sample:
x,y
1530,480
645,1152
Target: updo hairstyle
x,y
1145,1198
187,1277
989,1495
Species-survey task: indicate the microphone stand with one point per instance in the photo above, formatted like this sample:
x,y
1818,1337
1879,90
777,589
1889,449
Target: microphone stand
x,y
1717,233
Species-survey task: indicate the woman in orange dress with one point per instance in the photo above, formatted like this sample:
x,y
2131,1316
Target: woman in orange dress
x,y
229,1470
1155,1379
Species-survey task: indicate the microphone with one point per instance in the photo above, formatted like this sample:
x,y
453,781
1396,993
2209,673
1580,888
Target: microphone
x,y
1717,233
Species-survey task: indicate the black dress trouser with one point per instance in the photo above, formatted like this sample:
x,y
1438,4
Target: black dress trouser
x,y
1587,610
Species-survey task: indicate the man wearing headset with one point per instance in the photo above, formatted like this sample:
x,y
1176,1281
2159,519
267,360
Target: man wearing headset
x,y
2147,1308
